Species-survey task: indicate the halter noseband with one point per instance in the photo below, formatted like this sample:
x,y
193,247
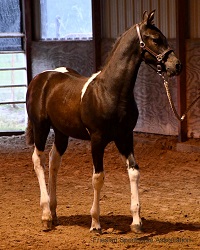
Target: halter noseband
x,y
159,57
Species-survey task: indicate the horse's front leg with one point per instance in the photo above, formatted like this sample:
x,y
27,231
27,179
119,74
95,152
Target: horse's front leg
x,y
54,164
97,182
39,161
134,175
125,147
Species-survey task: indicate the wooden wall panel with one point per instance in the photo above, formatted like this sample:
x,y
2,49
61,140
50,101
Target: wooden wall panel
x,y
193,86
129,14
122,18
155,114
194,19
49,55
113,16
106,25
118,15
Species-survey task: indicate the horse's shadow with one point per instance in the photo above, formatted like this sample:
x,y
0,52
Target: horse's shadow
x,y
121,224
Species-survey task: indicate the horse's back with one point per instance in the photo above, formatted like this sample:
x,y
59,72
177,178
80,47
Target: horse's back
x,y
55,97
53,84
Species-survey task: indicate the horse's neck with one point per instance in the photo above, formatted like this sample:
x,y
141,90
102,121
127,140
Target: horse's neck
x,y
121,70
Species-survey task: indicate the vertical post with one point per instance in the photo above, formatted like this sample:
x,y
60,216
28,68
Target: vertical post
x,y
181,17
13,81
26,5
96,28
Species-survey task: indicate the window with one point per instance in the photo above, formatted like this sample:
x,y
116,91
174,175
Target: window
x,y
13,73
10,25
66,20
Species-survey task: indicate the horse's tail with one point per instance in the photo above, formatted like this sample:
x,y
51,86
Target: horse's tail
x,y
29,133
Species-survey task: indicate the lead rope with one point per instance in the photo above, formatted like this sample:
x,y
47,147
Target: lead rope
x,y
180,118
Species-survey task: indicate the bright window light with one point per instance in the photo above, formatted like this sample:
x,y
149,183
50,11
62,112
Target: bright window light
x,y
66,19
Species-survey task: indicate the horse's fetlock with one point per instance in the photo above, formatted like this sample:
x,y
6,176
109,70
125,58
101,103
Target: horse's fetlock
x,y
135,209
94,213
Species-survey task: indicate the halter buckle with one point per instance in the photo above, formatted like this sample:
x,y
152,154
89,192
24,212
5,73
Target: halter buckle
x,y
159,57
159,68
142,44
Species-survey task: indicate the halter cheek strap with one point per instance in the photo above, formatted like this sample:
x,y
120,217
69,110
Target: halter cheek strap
x,y
159,57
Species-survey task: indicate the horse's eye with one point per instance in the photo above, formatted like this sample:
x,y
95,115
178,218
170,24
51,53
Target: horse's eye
x,y
156,41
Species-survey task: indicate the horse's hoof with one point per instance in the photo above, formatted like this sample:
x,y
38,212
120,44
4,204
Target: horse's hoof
x,y
55,221
46,225
95,230
136,229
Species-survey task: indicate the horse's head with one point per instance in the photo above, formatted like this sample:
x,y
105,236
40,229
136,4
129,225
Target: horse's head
x,y
154,47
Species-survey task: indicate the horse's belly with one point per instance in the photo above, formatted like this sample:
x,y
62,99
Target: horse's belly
x,y
76,132
70,125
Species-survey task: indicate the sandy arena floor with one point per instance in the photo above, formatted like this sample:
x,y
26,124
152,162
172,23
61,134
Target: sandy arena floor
x,y
169,194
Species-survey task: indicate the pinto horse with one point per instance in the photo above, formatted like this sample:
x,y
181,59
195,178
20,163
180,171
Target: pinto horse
x,y
101,109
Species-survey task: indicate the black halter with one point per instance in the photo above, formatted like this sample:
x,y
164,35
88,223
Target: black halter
x,y
159,57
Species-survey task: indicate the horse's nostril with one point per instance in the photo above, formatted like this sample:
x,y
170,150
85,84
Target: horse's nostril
x,y
178,66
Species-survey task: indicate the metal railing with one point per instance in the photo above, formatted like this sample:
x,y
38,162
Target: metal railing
x,y
12,35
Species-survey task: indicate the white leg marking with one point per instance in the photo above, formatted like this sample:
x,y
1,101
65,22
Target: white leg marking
x,y
87,83
134,176
38,161
97,182
54,164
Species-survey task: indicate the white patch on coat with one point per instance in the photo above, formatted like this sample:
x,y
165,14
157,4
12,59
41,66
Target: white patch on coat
x,y
60,69
87,83
97,182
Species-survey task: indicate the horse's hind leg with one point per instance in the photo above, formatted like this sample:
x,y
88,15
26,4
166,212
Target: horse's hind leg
x,y
55,156
39,161
40,136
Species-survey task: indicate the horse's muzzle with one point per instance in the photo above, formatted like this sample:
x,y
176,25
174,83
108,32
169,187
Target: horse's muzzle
x,y
178,67
173,68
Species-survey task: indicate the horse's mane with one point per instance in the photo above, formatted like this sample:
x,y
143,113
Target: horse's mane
x,y
115,46
117,42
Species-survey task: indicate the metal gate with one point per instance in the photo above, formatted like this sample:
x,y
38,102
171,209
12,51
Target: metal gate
x,y
13,70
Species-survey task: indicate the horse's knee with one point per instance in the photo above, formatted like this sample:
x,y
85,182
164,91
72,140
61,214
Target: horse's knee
x,y
98,180
38,158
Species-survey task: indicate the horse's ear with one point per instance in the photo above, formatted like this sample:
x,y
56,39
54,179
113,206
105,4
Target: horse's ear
x,y
148,18
145,15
